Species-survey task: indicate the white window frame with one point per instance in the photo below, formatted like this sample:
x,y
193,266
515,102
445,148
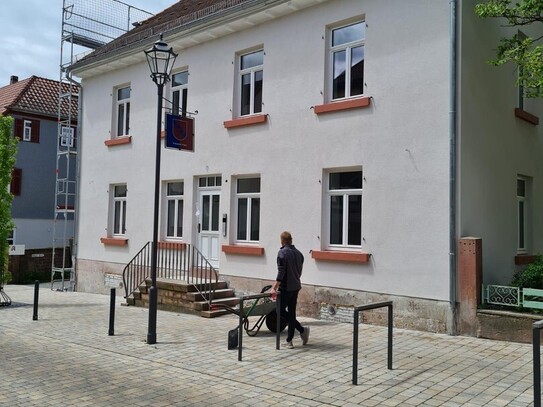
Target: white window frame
x,y
345,193
27,130
180,91
66,136
249,196
178,201
252,71
122,129
118,210
522,220
347,47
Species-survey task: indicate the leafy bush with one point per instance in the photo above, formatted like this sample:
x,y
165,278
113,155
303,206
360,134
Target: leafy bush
x,y
531,276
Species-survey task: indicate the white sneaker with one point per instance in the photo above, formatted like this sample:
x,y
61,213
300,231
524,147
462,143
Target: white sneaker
x,y
305,335
288,345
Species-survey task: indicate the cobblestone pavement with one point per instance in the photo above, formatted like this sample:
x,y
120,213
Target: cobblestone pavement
x,y
66,358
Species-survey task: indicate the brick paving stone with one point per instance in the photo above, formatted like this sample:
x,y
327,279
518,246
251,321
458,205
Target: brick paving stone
x,y
66,358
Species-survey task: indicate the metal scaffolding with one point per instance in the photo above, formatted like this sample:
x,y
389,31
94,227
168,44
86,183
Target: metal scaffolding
x,y
86,25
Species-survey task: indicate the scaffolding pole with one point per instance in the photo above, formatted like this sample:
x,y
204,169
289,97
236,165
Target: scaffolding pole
x,y
86,25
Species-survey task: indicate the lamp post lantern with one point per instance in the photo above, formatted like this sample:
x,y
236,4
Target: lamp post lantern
x,y
160,59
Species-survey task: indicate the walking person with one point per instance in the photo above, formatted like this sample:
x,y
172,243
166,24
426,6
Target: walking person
x,y
290,262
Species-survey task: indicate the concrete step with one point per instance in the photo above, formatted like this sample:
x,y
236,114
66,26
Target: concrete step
x,y
218,294
204,306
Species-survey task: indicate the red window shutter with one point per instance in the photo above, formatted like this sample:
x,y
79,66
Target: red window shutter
x,y
16,178
19,128
35,136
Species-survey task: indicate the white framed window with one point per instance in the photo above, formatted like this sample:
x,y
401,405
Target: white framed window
x,y
174,209
346,60
248,209
11,237
250,79
522,214
122,111
344,208
66,136
27,130
119,210
179,84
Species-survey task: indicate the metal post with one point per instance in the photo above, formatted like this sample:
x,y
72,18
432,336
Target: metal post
x,y
389,364
355,348
278,323
151,335
111,331
240,329
536,343
36,293
357,310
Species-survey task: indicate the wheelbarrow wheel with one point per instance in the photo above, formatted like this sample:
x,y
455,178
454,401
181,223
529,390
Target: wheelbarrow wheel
x,y
271,322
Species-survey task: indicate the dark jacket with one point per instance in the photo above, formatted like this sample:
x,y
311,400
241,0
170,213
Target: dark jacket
x,y
289,268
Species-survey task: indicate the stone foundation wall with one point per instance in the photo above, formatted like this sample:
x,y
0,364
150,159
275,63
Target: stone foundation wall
x,y
336,304
99,277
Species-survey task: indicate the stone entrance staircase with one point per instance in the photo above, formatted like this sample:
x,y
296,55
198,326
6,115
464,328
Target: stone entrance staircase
x,y
181,296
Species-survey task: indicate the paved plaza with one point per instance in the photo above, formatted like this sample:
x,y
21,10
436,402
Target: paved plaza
x,y
66,358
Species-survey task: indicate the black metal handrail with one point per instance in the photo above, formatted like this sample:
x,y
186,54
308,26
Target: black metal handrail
x,y
357,311
175,261
137,270
203,276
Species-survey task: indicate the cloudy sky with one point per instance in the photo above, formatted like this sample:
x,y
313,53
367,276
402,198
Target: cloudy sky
x,y
30,35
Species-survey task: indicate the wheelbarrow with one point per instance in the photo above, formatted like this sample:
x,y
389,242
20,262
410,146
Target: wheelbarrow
x,y
264,308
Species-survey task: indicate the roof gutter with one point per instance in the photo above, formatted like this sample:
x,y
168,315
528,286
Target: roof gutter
x,y
452,169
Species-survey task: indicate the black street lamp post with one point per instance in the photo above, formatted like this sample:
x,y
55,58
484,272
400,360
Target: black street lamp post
x,y
161,59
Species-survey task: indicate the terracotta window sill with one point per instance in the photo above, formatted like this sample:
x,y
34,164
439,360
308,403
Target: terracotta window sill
x,y
348,257
524,115
246,121
243,250
118,141
114,241
172,246
523,259
358,103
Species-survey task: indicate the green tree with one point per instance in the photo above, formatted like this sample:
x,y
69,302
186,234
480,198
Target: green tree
x,y
525,51
8,151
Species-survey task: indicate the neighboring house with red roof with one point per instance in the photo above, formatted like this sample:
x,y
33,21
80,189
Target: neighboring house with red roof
x,y
34,105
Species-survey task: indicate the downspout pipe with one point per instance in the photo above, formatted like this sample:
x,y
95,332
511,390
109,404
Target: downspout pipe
x,y
452,169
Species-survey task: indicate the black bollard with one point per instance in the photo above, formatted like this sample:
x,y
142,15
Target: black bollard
x,y
36,292
111,331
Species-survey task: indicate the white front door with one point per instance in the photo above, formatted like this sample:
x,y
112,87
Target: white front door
x,y
208,225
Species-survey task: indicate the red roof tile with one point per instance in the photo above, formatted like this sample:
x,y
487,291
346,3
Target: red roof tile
x,y
37,96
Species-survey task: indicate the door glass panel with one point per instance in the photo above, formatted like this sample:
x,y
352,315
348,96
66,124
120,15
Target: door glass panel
x,y
205,213
215,213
